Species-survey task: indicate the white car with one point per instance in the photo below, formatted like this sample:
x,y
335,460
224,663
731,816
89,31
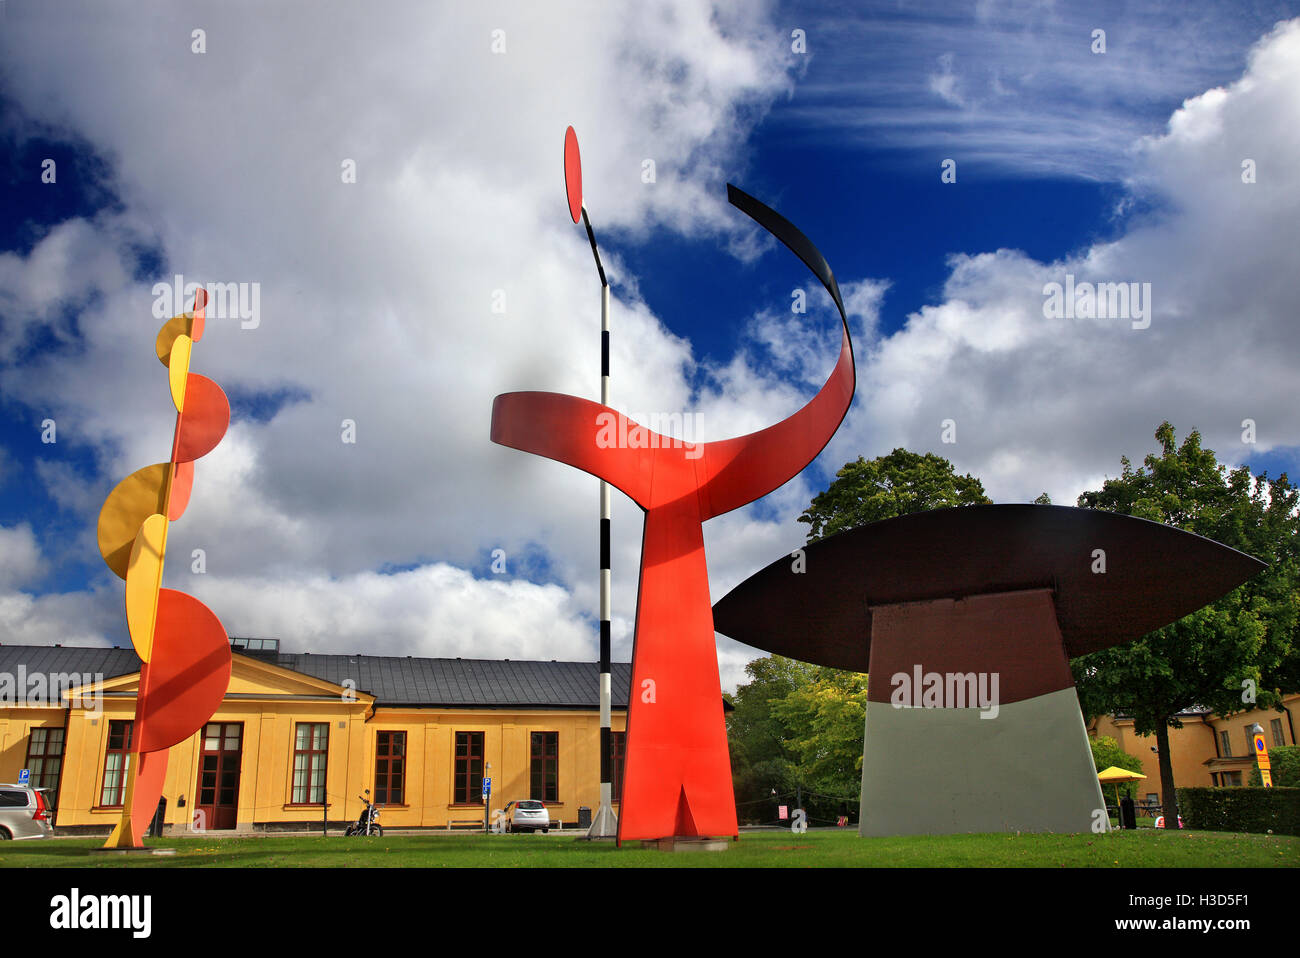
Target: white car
x,y
24,813
527,816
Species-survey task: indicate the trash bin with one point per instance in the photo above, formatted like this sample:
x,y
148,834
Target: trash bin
x,y
584,816
1127,813
156,826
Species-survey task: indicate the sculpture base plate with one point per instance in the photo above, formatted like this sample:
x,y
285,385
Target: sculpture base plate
x,y
133,851
686,843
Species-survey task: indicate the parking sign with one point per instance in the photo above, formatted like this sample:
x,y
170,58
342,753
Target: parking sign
x,y
24,776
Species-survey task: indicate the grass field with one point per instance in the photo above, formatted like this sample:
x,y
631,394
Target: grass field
x,y
831,848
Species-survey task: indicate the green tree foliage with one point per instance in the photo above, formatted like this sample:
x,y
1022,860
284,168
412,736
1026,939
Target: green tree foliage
x,y
826,720
894,485
1248,637
796,727
761,760
1105,753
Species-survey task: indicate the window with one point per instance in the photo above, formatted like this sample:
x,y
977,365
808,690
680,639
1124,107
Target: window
x,y
617,746
45,757
1225,745
117,759
1250,739
390,768
310,747
1276,727
545,767
467,786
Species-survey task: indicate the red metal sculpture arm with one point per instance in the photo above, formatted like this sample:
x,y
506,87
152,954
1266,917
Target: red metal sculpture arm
x,y
729,472
741,470
572,430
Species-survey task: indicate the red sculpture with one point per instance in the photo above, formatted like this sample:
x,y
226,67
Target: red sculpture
x,y
677,773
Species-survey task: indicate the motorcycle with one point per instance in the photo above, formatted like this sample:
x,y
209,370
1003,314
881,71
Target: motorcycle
x,y
368,821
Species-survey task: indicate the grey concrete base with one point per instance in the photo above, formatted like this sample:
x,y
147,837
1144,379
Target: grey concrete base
x,y
687,844
935,771
604,824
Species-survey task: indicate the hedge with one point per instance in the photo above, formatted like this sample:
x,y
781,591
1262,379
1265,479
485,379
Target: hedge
x,y
1241,809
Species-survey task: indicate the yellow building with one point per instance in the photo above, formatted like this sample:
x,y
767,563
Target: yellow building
x,y
1209,750
299,737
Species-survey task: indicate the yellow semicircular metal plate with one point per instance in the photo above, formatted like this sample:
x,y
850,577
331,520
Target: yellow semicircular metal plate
x,y
131,502
143,579
176,326
178,369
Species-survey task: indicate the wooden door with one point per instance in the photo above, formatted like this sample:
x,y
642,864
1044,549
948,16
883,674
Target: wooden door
x,y
218,787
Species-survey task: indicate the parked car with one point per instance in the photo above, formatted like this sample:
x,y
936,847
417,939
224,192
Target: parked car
x,y
24,813
527,816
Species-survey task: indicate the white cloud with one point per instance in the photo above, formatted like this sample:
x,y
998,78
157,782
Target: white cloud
x,y
20,556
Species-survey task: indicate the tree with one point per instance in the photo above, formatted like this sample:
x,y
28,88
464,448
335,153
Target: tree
x,y
796,727
894,485
1241,651
826,721
761,758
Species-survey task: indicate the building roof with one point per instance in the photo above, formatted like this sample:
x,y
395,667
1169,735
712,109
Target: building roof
x,y
392,680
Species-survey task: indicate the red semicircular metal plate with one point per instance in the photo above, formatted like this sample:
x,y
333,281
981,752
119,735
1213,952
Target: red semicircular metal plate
x,y
204,421
182,484
200,301
188,673
573,174
148,789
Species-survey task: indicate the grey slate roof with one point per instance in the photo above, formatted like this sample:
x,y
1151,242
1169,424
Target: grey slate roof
x,y
467,682
393,680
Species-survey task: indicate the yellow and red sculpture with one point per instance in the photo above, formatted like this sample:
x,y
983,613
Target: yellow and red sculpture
x,y
183,648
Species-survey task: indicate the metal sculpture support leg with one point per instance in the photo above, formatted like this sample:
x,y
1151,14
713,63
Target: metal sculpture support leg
x,y
972,721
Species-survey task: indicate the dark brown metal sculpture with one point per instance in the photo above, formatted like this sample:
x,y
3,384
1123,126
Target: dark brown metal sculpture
x,y
966,620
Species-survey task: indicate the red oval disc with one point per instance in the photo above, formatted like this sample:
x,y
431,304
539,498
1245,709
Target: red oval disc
x,y
573,174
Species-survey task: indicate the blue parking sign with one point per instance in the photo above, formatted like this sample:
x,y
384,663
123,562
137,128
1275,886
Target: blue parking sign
x,y
24,776
487,787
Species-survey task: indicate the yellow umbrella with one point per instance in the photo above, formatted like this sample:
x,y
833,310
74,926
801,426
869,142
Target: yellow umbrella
x,y
1114,775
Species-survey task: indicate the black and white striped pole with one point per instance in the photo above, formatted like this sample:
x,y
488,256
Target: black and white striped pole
x,y
605,823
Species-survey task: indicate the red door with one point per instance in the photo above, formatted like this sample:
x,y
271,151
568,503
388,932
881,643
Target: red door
x,y
219,775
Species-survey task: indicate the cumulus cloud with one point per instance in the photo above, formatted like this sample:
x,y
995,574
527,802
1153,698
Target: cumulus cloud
x,y
20,556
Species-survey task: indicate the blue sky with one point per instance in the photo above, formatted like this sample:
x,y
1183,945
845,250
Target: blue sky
x,y
224,165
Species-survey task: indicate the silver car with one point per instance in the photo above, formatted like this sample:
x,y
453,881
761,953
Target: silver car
x,y
528,816
24,813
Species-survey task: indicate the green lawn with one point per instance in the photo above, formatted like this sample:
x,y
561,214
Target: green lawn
x,y
1145,848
